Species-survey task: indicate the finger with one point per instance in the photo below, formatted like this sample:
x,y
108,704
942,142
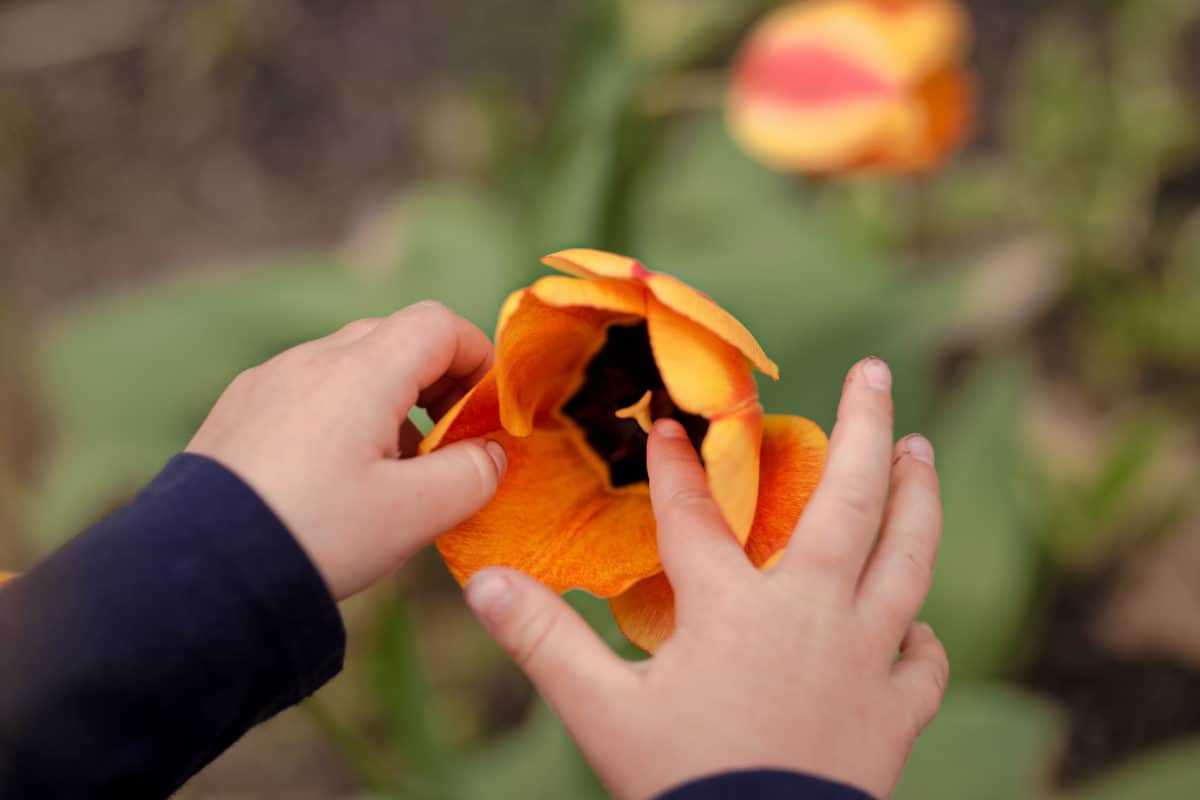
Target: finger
x,y
898,575
564,658
419,345
434,492
409,438
839,525
694,541
922,673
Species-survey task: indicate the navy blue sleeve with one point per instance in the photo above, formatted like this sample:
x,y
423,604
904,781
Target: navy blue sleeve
x,y
764,784
143,648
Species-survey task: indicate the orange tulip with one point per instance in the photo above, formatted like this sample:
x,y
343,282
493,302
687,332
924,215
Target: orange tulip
x,y
583,366
845,85
6,576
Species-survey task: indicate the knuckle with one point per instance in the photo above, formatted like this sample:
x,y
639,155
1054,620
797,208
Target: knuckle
x,y
690,498
941,662
690,504
299,356
422,318
925,694
337,360
531,636
896,613
244,379
929,700
857,503
819,550
358,327
428,312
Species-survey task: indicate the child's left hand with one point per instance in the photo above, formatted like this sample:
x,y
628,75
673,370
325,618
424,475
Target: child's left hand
x,y
322,433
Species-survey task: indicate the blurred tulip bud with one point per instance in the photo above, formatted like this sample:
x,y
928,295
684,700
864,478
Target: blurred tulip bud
x,y
836,86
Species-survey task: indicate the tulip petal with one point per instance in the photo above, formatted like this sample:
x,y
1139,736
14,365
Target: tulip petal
x,y
948,98
853,29
793,457
791,462
699,308
925,35
900,41
805,139
556,519
809,74
476,414
920,133
508,308
541,354
704,374
731,459
670,291
625,297
584,262
646,612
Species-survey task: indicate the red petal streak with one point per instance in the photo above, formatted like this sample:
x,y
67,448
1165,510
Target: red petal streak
x,y
806,75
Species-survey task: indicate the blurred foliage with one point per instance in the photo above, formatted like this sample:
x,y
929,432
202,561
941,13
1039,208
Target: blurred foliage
x,y
1095,131
1018,732
1172,773
980,598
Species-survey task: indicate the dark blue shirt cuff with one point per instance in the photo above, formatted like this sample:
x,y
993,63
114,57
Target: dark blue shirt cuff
x,y
147,645
764,784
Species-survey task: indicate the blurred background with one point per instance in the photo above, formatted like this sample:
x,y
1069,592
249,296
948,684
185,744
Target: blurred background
x,y
189,186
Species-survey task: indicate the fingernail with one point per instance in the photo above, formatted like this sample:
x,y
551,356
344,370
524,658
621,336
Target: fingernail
x,y
877,373
499,457
670,429
920,448
489,593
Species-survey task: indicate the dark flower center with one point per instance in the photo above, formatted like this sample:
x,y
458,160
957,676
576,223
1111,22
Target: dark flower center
x,y
616,378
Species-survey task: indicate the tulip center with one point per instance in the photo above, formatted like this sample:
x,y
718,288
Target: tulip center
x,y
622,392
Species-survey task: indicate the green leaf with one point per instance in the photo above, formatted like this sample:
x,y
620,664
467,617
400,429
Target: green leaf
x,y
984,583
989,742
1170,773
538,762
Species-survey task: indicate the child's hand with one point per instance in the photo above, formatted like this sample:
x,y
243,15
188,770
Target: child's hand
x,y
794,668
321,432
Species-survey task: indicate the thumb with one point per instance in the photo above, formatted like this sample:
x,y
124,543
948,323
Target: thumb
x,y
563,657
437,491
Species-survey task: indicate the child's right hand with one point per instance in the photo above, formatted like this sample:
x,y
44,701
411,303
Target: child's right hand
x,y
793,668
321,433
